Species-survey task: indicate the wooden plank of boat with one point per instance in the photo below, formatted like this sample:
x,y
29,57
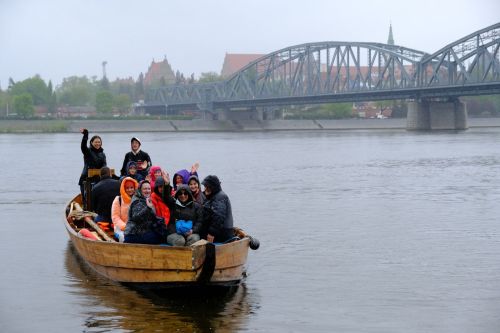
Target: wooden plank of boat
x,y
153,264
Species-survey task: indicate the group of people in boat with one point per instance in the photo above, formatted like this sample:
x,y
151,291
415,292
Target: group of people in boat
x,y
143,206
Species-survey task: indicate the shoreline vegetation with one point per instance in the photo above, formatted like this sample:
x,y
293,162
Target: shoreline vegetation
x,y
199,125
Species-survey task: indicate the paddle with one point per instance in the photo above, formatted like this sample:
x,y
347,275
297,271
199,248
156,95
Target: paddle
x,y
76,212
101,233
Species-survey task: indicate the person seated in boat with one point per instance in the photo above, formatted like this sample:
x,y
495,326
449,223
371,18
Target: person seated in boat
x,y
217,212
103,194
132,172
155,172
121,204
182,176
137,155
195,187
161,198
93,157
143,226
188,220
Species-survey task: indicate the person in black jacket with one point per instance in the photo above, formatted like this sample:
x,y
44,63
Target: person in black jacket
x,y
143,226
188,220
93,156
103,194
217,212
137,155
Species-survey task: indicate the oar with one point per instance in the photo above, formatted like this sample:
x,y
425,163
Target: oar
x,y
101,233
77,212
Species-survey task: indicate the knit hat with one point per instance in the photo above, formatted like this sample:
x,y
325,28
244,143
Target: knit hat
x,y
135,139
131,164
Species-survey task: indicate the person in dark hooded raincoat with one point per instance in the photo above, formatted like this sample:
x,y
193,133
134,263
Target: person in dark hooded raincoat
x,y
143,226
217,212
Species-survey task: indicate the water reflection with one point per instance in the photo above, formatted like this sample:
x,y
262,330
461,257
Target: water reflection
x,y
105,305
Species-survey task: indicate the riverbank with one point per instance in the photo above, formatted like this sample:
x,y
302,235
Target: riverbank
x,y
198,125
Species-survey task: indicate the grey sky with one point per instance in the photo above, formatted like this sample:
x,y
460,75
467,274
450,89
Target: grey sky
x,y
61,38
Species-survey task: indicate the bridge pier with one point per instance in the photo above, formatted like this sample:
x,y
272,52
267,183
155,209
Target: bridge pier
x,y
437,115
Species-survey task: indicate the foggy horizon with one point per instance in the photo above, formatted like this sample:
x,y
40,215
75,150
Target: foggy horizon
x,y
59,39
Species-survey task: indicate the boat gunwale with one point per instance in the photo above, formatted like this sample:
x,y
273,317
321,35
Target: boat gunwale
x,y
138,245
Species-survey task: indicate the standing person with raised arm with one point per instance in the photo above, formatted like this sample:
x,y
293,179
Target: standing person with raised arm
x,y
137,155
93,157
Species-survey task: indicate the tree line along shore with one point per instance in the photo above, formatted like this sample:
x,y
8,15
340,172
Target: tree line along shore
x,y
85,98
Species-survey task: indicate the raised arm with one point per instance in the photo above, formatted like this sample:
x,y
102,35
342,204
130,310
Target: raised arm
x,y
85,137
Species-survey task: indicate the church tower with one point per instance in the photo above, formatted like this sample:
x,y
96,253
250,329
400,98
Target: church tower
x,y
390,40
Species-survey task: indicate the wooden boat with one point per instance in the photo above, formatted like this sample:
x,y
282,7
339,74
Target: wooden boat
x,y
155,266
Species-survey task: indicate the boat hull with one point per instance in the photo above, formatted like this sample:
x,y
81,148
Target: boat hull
x,y
200,264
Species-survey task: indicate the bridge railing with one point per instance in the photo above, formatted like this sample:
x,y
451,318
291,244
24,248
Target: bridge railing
x,y
470,60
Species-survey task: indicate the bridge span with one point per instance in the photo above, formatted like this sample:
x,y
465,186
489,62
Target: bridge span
x,y
329,72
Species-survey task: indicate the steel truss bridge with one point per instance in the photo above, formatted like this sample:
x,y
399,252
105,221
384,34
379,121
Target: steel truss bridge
x,y
327,72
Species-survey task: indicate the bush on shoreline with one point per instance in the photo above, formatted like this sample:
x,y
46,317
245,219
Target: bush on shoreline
x,y
33,126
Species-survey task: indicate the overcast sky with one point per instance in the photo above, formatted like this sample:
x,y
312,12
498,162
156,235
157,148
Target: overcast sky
x,y
61,38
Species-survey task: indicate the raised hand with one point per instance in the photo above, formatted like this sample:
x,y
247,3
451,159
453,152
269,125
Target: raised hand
x,y
195,167
166,177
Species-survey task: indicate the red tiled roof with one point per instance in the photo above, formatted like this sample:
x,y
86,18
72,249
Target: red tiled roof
x,y
157,70
233,62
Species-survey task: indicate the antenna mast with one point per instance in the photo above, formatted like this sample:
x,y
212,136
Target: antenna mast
x,y
104,63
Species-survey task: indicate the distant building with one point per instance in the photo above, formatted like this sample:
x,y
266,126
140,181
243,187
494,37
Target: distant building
x,y
371,110
233,62
41,111
128,80
75,111
159,73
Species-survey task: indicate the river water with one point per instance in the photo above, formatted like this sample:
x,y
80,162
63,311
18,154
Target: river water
x,y
360,231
